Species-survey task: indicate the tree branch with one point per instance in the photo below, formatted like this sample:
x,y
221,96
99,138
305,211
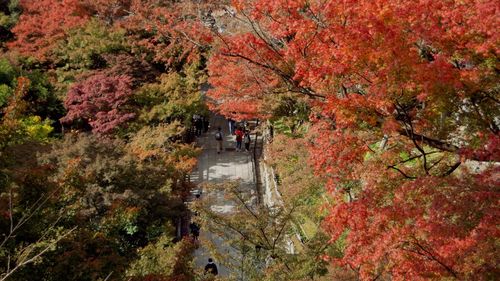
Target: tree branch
x,y
32,259
401,172
432,257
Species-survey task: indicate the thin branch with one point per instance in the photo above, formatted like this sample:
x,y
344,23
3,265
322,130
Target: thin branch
x,y
401,172
261,35
431,256
10,212
417,156
411,131
32,259
8,263
437,162
452,168
315,18
254,215
283,226
225,224
109,275
309,43
293,85
199,45
378,276
363,76
29,213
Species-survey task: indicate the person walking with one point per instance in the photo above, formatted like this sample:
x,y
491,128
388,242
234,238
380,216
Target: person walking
x,y
232,125
219,138
198,124
239,138
211,267
195,230
206,124
247,140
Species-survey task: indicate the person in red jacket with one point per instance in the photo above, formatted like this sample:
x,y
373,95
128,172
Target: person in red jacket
x,y
239,138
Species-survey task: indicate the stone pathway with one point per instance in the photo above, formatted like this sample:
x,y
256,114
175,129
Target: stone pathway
x,y
217,168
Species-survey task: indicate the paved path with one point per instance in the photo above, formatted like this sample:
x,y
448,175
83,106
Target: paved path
x,y
216,168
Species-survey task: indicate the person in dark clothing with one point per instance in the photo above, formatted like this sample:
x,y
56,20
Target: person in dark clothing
x,y
195,230
198,124
232,125
246,140
206,124
219,137
211,267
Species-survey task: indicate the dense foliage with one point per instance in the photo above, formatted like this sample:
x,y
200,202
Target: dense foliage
x,y
100,101
395,104
404,114
94,105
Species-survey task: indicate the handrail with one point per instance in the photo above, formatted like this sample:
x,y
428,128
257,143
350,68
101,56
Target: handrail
x,y
256,166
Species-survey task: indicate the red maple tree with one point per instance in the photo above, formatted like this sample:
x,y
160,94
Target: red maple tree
x,y
405,121
44,22
166,31
101,102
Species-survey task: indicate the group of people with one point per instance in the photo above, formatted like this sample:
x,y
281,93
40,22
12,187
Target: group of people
x,y
201,124
242,136
211,267
241,133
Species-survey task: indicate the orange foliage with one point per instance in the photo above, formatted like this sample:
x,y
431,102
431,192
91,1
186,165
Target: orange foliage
x,y
44,22
403,92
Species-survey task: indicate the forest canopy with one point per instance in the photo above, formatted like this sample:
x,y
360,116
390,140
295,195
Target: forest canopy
x,y
90,180
384,114
403,123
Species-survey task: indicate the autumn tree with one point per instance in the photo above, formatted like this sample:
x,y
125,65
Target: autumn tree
x,y
7,75
40,96
161,263
404,107
9,14
261,236
100,101
107,189
87,206
140,70
104,216
110,11
169,33
84,47
17,125
31,224
176,96
43,23
29,221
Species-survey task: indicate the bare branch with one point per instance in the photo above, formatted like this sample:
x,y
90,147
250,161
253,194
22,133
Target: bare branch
x,y
22,263
452,168
401,172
